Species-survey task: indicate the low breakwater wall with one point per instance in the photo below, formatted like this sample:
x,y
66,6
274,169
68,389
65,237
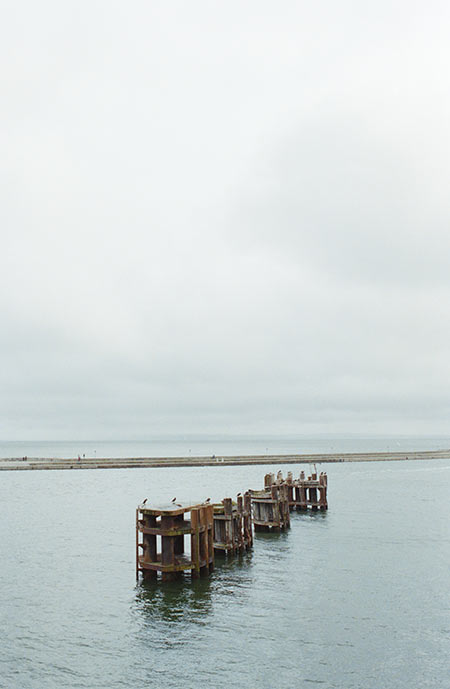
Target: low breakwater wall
x,y
36,463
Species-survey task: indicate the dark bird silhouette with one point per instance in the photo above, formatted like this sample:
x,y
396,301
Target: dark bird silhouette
x,y
239,494
174,500
178,504
144,501
208,500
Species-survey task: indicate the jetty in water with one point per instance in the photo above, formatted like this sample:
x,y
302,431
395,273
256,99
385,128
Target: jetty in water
x,y
34,463
161,531
169,545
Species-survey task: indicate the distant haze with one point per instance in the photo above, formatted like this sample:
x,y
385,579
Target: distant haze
x,y
224,218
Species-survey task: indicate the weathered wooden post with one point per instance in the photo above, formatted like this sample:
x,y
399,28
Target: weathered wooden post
x,y
269,480
240,523
248,520
146,525
168,563
302,492
229,526
313,492
290,490
323,504
283,498
195,543
206,558
233,525
275,505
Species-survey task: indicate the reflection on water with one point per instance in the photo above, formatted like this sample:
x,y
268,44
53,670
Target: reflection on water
x,y
192,600
172,601
319,516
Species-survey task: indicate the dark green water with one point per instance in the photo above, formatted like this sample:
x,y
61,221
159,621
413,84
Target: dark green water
x,y
358,597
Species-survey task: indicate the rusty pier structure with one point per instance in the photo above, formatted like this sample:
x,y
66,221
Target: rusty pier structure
x,y
176,538
306,492
271,508
161,535
233,531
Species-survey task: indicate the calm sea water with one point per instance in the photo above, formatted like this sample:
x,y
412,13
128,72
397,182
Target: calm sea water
x,y
354,598
207,445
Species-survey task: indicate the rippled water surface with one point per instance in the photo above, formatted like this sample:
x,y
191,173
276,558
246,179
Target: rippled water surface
x,y
356,597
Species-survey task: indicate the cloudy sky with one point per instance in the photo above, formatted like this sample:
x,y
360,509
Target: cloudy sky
x,y
224,217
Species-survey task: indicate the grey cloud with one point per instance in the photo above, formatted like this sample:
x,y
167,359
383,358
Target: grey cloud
x,y
224,219
354,205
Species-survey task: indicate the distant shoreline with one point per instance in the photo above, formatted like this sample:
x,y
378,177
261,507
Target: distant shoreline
x,y
42,463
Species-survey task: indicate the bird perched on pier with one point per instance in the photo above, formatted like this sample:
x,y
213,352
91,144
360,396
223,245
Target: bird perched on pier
x,y
144,501
239,494
208,500
174,499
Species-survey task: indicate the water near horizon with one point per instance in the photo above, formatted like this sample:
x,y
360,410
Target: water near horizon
x,y
207,445
354,598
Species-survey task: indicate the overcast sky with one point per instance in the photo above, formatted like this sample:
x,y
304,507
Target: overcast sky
x,y
224,217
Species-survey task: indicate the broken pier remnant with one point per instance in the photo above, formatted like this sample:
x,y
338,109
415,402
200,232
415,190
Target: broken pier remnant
x,y
160,540
271,508
303,493
233,525
162,531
